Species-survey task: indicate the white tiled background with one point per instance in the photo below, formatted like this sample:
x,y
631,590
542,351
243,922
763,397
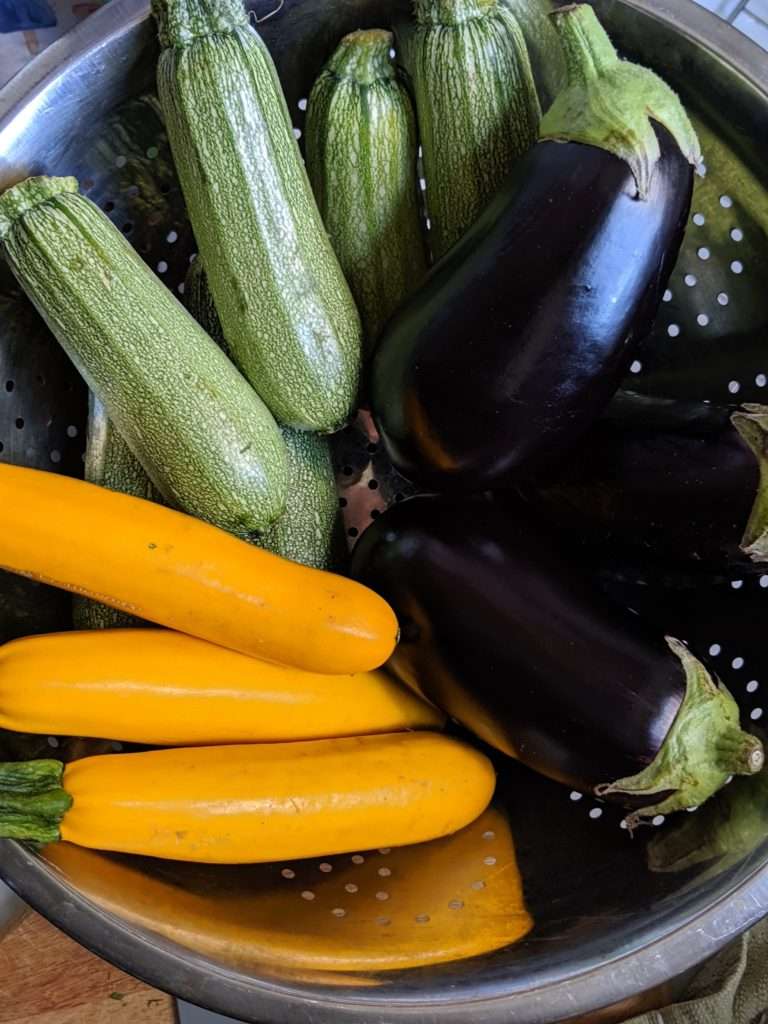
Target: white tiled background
x,y
749,16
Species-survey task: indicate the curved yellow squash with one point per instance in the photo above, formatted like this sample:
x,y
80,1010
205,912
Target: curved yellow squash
x,y
243,804
160,687
172,569
452,898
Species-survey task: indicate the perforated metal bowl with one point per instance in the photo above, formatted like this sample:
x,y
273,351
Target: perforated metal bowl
x,y
606,926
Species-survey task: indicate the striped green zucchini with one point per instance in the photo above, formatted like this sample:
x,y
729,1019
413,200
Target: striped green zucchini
x,y
288,315
307,530
476,104
361,158
206,440
544,47
110,463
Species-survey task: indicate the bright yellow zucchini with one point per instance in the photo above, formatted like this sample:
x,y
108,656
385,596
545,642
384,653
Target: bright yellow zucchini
x,y
160,687
262,802
169,568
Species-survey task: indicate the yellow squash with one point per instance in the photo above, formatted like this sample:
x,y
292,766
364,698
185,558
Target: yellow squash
x,y
379,910
157,686
172,569
243,804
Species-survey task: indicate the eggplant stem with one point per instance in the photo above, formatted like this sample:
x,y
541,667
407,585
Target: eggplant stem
x,y
752,425
705,747
32,800
611,103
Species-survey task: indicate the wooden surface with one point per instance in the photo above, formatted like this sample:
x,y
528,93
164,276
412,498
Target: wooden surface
x,y
46,978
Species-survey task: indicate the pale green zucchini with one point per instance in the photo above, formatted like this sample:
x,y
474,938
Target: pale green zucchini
x,y
307,530
110,463
204,437
288,315
544,47
361,158
476,105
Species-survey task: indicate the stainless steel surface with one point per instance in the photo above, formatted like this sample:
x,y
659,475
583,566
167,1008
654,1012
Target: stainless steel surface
x,y
11,909
607,928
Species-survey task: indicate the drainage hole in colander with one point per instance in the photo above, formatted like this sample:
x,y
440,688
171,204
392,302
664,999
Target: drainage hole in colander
x,y
288,873
385,850
714,650
422,919
382,896
358,858
702,320
127,227
723,298
9,385
737,267
734,387
339,912
19,423
699,220
658,820
180,287
352,531
752,686
703,253
308,895
384,872
691,280
171,237
636,366
737,663
489,835
737,235
674,330
55,455
72,430
576,796
757,714
478,885
456,905
351,887
595,813
489,861
737,584
325,867
667,296
162,267
726,202
302,104
52,741
761,380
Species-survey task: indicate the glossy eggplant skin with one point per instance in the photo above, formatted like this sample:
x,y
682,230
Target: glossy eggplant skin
x,y
510,638
672,496
522,333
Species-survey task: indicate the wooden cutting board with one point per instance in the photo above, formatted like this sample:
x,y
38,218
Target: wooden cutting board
x,y
46,978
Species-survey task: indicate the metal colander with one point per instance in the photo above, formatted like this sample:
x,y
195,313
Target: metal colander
x,y
318,940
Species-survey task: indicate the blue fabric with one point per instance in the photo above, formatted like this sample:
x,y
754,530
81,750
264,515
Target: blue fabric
x,y
25,15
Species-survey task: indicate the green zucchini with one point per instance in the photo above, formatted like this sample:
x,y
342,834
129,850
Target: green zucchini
x,y
307,531
361,158
289,318
204,437
476,104
110,463
544,47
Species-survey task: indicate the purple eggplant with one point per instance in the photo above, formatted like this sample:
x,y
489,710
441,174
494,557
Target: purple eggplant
x,y
680,497
521,334
504,631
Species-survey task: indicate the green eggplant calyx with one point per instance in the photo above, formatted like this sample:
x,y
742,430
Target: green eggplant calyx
x,y
364,57
32,800
18,200
448,13
611,103
180,22
703,749
752,425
